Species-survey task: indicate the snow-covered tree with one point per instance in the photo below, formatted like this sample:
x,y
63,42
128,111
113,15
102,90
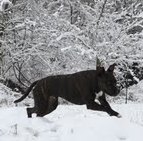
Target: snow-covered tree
x,y
40,37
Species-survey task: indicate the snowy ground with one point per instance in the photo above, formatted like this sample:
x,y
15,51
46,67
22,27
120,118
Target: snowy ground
x,y
73,123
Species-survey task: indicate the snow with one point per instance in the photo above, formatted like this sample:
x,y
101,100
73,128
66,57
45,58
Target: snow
x,y
4,2
137,92
68,123
7,96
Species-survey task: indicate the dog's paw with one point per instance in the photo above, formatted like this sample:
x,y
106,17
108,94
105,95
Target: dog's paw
x,y
119,116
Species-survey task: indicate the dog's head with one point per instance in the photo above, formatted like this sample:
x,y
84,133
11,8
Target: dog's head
x,y
107,81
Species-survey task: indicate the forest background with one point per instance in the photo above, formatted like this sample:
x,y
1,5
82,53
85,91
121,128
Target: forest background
x,y
47,37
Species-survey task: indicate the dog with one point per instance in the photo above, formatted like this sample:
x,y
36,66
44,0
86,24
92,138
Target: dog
x,y
78,88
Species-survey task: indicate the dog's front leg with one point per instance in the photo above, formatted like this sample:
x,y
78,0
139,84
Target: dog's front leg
x,y
110,111
95,106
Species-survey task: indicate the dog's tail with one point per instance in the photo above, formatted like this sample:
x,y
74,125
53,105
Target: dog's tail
x,y
27,92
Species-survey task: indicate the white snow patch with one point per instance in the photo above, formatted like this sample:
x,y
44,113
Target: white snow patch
x,y
2,2
69,123
137,91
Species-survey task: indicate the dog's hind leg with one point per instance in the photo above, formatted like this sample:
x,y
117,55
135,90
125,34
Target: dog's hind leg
x,y
39,102
30,111
41,108
43,105
52,104
49,106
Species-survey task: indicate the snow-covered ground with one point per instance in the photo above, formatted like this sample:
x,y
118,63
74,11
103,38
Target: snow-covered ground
x,y
73,123
70,122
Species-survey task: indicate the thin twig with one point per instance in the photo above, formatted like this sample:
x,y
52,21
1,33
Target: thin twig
x,y
102,11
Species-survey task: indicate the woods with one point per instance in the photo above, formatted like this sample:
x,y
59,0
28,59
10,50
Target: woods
x,y
40,38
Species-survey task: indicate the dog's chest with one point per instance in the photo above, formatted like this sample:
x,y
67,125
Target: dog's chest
x,y
98,95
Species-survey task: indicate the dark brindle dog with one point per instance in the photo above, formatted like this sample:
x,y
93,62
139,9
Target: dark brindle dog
x,y
78,88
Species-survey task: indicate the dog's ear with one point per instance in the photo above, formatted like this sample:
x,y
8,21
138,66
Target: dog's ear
x,y
100,71
111,68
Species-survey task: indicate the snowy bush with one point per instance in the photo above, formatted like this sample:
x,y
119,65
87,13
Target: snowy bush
x,y
7,96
